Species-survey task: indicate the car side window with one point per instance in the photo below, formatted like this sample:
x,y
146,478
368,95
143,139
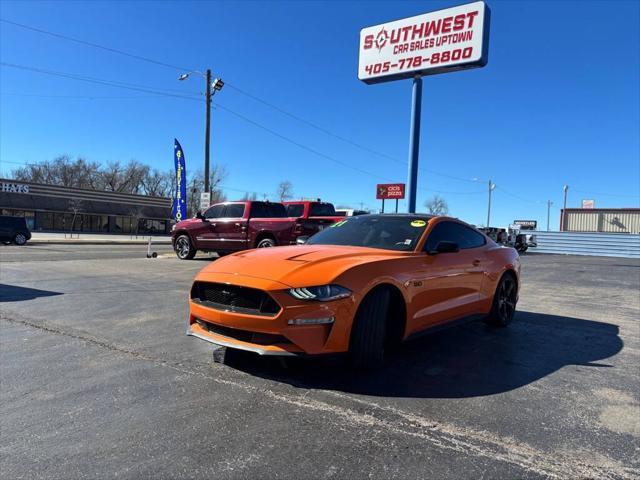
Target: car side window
x,y
470,238
214,212
464,236
234,210
295,210
441,232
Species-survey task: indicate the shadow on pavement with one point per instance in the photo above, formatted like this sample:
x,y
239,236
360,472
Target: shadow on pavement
x,y
467,361
13,293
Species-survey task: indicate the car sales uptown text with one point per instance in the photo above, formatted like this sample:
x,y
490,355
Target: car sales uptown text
x,y
423,35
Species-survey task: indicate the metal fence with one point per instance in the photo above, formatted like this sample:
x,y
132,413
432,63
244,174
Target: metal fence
x,y
595,244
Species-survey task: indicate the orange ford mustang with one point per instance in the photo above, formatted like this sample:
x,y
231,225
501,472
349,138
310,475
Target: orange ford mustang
x,y
359,286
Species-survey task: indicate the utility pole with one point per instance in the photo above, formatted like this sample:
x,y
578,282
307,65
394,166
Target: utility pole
x,y
549,203
210,90
207,130
492,186
564,208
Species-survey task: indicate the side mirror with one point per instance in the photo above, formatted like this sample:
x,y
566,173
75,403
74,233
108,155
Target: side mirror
x,y
200,215
445,247
302,240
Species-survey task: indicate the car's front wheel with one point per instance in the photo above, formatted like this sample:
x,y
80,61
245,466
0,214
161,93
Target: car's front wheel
x,y
368,333
20,239
503,308
184,248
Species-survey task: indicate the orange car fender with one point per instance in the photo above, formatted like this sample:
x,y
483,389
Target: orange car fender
x,y
361,285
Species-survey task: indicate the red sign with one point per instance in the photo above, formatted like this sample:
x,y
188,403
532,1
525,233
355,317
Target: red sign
x,y
390,191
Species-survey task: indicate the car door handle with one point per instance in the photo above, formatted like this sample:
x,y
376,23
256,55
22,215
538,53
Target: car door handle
x,y
213,225
475,263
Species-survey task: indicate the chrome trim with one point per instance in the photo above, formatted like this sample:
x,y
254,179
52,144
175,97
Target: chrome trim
x,y
223,343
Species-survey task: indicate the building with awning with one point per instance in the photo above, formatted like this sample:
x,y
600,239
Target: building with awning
x,y
51,208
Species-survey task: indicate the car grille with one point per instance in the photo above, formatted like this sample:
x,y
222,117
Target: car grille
x,y
233,298
244,335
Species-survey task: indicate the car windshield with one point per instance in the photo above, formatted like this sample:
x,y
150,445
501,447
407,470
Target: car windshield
x,y
322,210
374,231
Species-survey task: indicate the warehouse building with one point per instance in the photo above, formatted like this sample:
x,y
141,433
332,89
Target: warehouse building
x,y
605,220
50,208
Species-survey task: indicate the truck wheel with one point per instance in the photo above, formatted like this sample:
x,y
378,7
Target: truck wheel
x,y
184,249
368,333
20,239
503,307
266,243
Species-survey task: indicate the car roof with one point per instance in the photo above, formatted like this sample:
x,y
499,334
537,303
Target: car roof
x,y
424,216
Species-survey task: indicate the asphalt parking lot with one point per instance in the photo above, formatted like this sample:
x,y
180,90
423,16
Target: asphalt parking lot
x,y
99,381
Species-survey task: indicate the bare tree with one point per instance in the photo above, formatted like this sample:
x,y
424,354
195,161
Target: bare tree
x,y
437,206
250,197
75,205
158,184
137,213
62,171
195,186
285,190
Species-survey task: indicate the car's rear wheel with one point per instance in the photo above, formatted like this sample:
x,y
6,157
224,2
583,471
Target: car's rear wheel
x,y
266,243
20,239
184,248
366,349
503,308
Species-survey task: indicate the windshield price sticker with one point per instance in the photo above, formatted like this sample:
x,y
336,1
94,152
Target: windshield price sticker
x,y
418,223
445,40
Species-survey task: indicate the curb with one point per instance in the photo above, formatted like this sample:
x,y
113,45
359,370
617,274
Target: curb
x,y
96,242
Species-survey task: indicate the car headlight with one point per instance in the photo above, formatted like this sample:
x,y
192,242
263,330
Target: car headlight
x,y
321,293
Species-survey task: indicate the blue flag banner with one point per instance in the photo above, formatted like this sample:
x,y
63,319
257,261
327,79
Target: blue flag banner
x,y
179,209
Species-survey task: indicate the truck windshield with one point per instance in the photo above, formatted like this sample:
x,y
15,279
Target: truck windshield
x,y
374,231
322,210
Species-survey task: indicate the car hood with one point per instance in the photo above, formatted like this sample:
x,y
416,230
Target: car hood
x,y
300,265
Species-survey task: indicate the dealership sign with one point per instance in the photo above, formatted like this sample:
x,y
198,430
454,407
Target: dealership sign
x,y
526,224
14,187
442,41
588,204
390,191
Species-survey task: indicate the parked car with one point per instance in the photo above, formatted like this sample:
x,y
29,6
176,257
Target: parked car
x,y
14,230
312,216
359,287
350,212
233,226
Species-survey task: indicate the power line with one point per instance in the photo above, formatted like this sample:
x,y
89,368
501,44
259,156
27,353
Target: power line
x,y
109,83
89,97
239,90
606,194
340,137
146,89
94,45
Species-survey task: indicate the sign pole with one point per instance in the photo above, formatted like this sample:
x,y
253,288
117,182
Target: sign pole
x,y
383,205
414,142
396,205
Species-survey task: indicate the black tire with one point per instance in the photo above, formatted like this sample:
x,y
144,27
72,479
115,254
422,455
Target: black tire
x,y
368,334
20,239
503,307
266,242
184,248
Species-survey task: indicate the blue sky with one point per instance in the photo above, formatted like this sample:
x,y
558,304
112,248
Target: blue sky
x,y
558,102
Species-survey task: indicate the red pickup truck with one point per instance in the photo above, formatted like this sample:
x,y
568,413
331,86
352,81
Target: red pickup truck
x,y
234,226
312,215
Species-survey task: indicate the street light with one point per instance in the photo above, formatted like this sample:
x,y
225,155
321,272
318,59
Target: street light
x,y
492,187
216,86
565,189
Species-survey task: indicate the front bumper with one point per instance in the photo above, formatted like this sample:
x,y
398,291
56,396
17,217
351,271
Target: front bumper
x,y
272,335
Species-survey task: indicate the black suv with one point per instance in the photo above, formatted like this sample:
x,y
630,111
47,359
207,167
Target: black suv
x,y
14,229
